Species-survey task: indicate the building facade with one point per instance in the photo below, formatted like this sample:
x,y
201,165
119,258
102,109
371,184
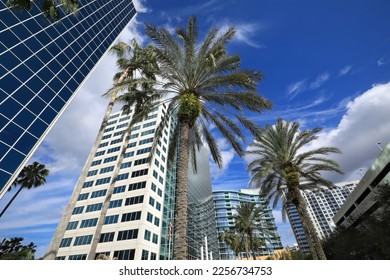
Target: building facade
x,y
322,204
139,223
42,66
226,202
362,201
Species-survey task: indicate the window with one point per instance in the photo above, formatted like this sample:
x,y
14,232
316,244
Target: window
x,y
77,257
126,165
155,238
134,200
123,176
112,122
106,136
119,189
65,242
153,256
151,117
82,240
158,206
92,173
145,141
131,145
115,203
161,180
137,186
147,235
132,216
109,129
163,158
162,169
106,169
159,192
116,141
138,173
88,223
94,207
149,217
122,125
102,181
119,133
106,237
149,124
114,116
72,225
96,162
143,151
156,162
111,219
125,254
155,174
109,159
140,161
146,132
111,150
88,184
124,119
78,210
97,154
132,136
127,234
156,221
151,201
83,196
136,128
129,154
145,255
153,187
98,193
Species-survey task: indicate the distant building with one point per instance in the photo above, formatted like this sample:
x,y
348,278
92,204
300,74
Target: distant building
x,y
322,204
139,224
42,66
361,201
226,202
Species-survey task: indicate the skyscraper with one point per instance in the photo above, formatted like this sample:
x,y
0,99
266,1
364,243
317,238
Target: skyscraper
x,y
322,204
226,202
140,219
42,66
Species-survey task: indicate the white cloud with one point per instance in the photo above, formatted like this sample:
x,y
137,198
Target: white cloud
x,y
381,61
244,32
296,88
319,81
365,123
140,6
345,70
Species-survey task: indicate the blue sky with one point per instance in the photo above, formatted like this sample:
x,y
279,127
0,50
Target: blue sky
x,y
326,64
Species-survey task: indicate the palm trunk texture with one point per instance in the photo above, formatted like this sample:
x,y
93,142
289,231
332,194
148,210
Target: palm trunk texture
x,y
10,202
180,244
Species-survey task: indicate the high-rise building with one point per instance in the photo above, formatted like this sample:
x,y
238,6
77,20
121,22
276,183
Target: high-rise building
x,y
226,202
42,65
139,224
322,204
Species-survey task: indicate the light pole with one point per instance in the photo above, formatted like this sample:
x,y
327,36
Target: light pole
x,y
378,144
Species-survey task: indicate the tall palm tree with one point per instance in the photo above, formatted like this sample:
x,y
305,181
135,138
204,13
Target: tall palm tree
x,y
232,239
248,221
50,8
31,176
280,165
206,85
131,59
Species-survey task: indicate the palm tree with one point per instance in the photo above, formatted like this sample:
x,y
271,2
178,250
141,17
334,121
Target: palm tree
x,y
31,176
50,8
232,239
206,85
280,165
248,221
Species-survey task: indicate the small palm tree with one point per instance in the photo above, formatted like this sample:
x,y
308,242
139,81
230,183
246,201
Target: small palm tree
x,y
232,240
31,176
50,8
248,222
280,165
206,86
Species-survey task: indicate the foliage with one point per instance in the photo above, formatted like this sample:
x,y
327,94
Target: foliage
x,y
279,165
50,8
370,239
289,254
12,249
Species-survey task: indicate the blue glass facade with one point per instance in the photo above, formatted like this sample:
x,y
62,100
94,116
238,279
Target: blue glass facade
x,y
42,66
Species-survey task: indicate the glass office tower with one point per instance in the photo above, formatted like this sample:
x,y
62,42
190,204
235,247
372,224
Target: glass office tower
x,y
42,66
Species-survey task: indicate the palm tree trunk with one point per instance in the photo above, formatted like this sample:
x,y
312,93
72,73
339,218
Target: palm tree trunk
x,y
180,244
61,228
106,204
307,224
10,202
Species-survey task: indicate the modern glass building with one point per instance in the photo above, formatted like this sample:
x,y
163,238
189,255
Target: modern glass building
x,y
226,202
322,204
137,225
42,66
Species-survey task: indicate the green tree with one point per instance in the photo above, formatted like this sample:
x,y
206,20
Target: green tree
x,y
233,240
206,86
31,176
50,8
12,249
139,98
280,165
